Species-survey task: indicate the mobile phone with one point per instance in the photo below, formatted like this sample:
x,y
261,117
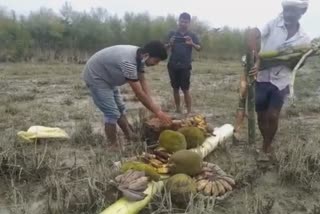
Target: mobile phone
x,y
179,39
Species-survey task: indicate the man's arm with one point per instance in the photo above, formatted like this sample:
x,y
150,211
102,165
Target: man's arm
x,y
146,100
197,47
144,84
132,76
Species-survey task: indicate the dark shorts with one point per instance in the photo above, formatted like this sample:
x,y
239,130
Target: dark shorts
x,y
269,96
179,77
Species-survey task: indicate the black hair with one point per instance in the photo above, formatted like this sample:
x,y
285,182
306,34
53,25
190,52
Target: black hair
x,y
185,16
155,49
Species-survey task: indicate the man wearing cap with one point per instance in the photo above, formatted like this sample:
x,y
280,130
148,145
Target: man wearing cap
x,y
273,81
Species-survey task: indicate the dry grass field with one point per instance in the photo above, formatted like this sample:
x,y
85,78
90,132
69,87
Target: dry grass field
x,y
72,176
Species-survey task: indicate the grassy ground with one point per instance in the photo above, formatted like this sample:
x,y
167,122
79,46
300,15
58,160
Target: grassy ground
x,y
72,176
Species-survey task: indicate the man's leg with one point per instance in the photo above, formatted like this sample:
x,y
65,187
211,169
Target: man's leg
x,y
123,120
276,102
173,75
262,103
176,95
263,123
240,114
187,100
273,121
104,99
184,77
126,128
111,133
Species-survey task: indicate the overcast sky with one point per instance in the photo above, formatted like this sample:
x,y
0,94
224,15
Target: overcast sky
x,y
234,13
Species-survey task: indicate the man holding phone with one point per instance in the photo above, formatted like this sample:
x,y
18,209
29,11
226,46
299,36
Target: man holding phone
x,y
181,42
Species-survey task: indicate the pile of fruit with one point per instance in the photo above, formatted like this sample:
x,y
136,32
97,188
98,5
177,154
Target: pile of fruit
x,y
153,127
206,178
182,170
198,121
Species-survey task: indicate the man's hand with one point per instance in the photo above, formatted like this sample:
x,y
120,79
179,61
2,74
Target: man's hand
x,y
189,41
254,71
164,117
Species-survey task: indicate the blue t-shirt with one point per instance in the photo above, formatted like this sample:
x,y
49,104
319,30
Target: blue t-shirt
x,y
181,53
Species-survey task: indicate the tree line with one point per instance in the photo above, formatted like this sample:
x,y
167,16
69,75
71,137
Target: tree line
x,y
72,36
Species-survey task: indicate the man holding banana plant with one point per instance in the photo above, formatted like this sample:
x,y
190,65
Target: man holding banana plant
x,y
273,78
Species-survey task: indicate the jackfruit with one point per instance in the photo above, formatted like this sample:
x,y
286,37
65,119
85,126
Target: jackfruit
x,y
185,161
172,141
194,136
139,166
181,188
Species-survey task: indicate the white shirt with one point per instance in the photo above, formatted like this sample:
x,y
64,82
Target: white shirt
x,y
274,38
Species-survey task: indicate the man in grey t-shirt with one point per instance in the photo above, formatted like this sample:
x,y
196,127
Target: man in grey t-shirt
x,y
115,66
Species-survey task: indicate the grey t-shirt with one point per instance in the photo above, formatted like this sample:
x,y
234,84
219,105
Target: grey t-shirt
x,y
112,66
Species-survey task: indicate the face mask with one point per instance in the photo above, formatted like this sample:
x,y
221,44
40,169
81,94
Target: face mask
x,y
143,61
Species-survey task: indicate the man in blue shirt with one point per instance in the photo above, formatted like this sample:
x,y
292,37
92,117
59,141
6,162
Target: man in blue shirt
x,y
181,42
